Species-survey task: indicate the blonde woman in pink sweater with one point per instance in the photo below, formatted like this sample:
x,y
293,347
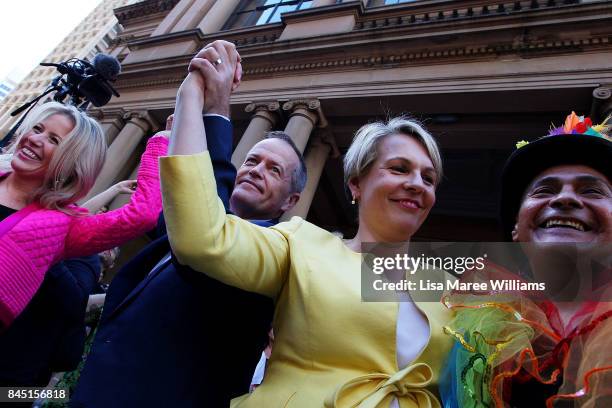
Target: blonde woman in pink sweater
x,y
53,164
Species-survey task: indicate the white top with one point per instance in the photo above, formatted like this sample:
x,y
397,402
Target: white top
x,y
412,333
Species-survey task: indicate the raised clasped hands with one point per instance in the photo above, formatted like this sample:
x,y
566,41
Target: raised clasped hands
x,y
216,70
214,73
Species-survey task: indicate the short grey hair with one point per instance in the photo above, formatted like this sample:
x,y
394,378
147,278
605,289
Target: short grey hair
x,y
299,175
364,148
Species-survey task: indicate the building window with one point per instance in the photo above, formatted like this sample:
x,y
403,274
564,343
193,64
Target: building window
x,y
376,3
259,12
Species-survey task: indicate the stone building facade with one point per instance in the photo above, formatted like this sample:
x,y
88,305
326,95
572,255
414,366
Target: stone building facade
x,y
481,75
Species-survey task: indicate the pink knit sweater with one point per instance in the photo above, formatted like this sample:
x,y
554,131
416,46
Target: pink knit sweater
x,y
45,236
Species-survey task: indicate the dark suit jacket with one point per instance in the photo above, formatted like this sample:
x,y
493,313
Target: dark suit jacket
x,y
174,337
49,334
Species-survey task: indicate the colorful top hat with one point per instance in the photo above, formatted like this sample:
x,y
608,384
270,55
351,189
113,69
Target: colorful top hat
x,y
576,142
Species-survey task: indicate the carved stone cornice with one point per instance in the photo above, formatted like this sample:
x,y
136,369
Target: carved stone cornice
x,y
419,14
249,35
446,11
143,9
524,47
552,30
601,105
269,111
257,106
149,82
142,119
106,114
602,93
95,113
303,106
255,35
310,104
121,39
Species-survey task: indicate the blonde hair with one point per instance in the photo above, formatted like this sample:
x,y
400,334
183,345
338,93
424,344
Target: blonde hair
x,y
364,148
77,161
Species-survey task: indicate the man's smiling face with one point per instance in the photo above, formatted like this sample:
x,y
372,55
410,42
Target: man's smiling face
x,y
567,203
263,182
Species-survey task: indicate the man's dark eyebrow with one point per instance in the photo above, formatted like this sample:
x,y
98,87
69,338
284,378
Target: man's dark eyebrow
x,y
546,180
275,163
258,157
584,179
590,179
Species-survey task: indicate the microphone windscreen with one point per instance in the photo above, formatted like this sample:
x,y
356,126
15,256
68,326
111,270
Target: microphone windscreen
x,y
107,66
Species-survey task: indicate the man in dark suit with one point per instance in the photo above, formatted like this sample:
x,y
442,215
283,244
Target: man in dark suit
x,y
170,336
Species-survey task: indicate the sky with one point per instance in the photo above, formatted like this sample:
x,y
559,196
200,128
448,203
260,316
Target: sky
x,y
30,29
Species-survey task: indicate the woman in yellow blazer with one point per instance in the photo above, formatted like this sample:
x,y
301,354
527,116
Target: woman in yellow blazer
x,y
331,348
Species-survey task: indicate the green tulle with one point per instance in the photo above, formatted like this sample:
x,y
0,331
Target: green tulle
x,y
490,333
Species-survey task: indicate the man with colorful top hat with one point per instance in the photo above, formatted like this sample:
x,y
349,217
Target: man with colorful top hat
x,y
525,352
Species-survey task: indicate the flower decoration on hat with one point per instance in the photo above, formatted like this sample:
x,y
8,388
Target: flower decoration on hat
x,y
521,143
582,125
578,125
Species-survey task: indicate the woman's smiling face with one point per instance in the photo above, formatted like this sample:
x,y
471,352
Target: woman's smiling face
x,y
37,146
398,190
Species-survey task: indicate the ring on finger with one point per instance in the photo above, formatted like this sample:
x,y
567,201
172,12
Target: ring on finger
x,y
218,61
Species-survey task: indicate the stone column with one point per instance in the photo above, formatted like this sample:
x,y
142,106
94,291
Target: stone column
x,y
216,17
304,115
319,150
138,125
112,128
111,122
264,117
601,105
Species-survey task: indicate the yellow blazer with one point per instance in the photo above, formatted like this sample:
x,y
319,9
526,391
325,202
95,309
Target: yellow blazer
x,y
331,349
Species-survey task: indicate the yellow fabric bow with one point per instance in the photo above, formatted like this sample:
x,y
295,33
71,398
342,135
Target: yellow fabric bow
x,y
378,390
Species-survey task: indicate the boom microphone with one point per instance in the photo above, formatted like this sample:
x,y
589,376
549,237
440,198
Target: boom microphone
x,y
107,66
82,81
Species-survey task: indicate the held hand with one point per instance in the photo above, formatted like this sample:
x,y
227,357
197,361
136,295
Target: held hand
x,y
237,75
192,87
169,121
219,63
125,187
188,133
212,52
